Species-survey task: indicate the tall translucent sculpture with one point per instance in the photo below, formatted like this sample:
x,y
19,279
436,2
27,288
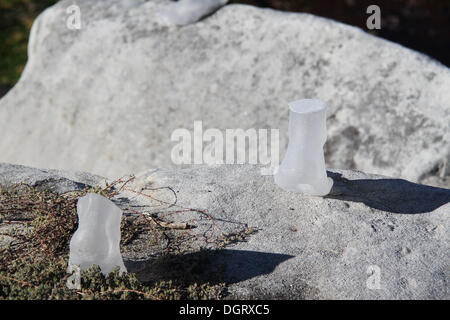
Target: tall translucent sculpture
x,y
303,167
97,239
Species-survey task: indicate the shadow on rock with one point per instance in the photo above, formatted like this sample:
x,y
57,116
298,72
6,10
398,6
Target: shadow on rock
x,y
390,195
208,266
242,265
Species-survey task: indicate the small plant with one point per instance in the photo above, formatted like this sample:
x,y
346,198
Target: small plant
x,y
39,225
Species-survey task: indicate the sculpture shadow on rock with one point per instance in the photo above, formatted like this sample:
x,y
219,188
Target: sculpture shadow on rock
x,y
208,266
390,195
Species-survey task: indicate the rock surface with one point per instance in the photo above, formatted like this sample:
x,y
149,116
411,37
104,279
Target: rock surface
x,y
305,247
106,98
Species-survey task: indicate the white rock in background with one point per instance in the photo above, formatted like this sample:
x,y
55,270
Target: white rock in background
x,y
185,12
106,98
97,239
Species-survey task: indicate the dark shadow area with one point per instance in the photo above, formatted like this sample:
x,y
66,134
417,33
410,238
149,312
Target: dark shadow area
x,y
391,195
242,265
207,266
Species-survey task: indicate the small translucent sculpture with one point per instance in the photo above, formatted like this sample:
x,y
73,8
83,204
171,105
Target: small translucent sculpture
x,y
97,238
303,167
185,12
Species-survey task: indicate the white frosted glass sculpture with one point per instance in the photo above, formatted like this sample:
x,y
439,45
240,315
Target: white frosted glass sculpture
x,y
97,239
303,167
184,12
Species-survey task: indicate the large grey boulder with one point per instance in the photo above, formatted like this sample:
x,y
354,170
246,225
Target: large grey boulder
x,y
373,237
106,98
